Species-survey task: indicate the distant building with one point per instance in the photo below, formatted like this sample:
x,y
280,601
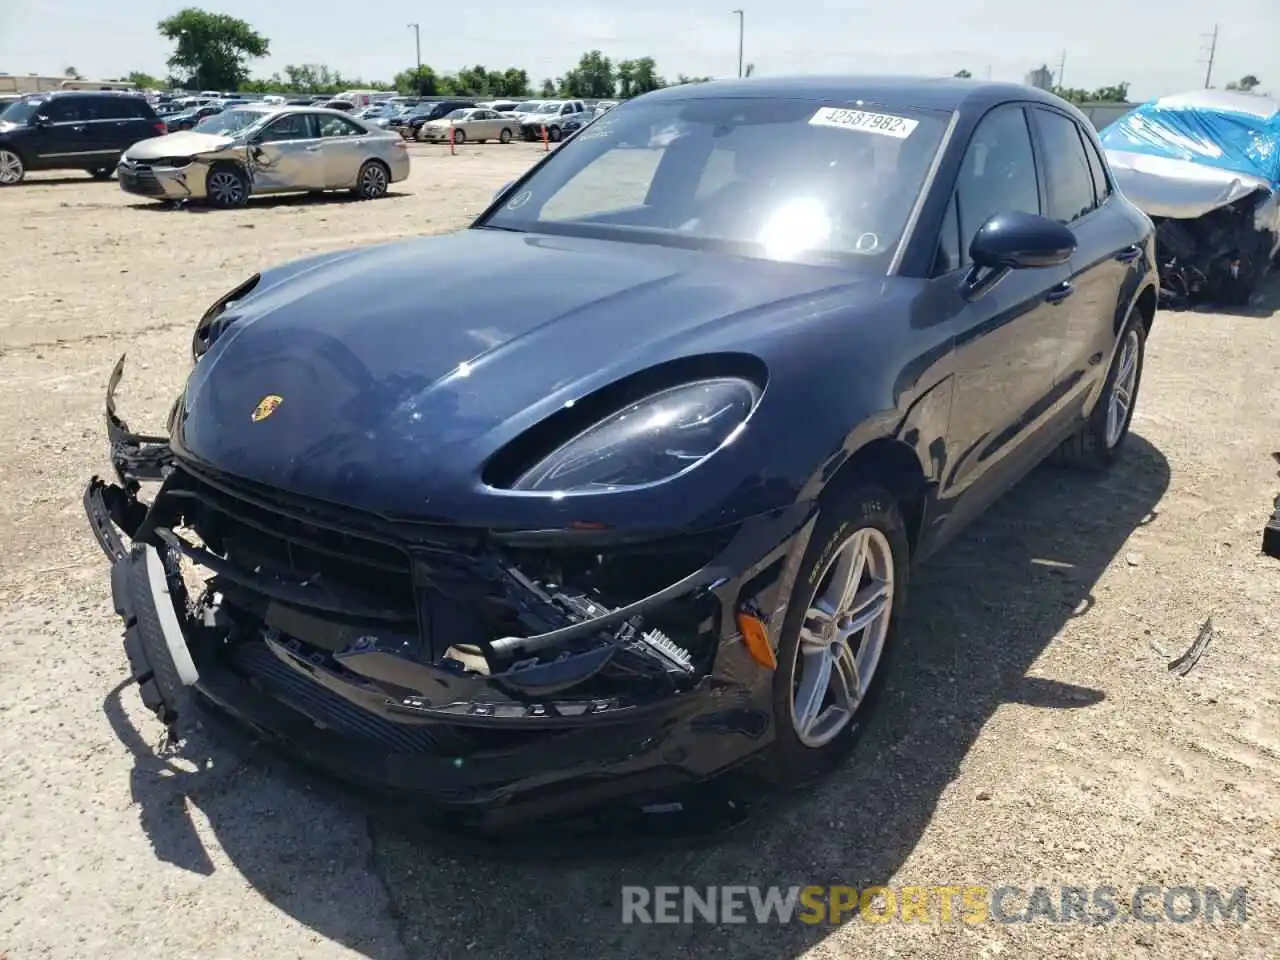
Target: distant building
x,y
1042,78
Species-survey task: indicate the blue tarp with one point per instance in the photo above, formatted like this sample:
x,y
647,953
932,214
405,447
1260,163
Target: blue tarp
x,y
1239,133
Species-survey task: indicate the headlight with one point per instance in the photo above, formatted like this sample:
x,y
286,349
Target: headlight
x,y
653,439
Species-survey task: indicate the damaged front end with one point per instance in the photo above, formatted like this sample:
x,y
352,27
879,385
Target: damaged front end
x,y
1219,257
467,667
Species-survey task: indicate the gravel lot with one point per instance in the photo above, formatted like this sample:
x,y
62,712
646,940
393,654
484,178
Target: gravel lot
x,y
1031,733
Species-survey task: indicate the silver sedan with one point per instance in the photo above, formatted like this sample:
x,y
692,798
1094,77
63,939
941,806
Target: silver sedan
x,y
260,149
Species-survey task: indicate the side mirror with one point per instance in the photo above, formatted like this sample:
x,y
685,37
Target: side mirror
x,y
1018,241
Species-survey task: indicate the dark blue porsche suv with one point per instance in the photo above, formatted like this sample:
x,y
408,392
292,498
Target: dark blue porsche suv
x,y
651,514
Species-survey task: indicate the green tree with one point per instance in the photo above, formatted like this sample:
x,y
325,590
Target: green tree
x,y
549,88
71,73
510,83
417,82
144,81
1245,84
211,49
963,74
635,77
681,80
592,77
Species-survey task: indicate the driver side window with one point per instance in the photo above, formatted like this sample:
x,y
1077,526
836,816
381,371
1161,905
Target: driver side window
x,y
997,175
292,126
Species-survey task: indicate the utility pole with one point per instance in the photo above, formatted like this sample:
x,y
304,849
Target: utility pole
x,y
1213,49
741,27
1062,68
417,42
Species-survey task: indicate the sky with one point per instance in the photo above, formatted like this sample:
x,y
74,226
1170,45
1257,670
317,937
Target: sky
x,y
1158,46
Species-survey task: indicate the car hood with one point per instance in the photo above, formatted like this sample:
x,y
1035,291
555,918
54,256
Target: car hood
x,y
400,369
185,143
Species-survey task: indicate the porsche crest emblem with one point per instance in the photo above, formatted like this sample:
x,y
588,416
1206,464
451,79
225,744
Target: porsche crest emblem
x,y
266,407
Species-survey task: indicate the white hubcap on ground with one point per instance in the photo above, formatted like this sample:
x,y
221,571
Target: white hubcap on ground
x,y
1121,399
842,637
10,167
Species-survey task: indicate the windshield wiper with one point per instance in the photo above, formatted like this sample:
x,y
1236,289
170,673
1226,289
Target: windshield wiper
x,y
492,226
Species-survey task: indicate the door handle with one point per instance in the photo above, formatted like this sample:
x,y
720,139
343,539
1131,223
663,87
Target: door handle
x,y
1059,293
78,127
1129,253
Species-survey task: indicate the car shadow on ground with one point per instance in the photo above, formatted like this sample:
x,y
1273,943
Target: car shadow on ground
x,y
979,616
263,203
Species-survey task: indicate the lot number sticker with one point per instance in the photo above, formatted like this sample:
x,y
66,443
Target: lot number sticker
x,y
885,124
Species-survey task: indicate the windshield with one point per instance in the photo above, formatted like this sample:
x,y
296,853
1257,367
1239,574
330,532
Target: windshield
x,y
457,114
779,179
547,108
229,123
526,106
20,111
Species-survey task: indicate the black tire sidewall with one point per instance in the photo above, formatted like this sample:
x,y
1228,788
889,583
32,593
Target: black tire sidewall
x,y
861,507
504,136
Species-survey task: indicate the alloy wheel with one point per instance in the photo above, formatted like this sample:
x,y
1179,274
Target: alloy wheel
x,y
11,169
842,637
1121,399
226,188
373,182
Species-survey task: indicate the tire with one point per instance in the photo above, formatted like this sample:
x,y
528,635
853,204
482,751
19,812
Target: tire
x,y
554,134
103,173
226,187
372,180
868,516
1099,442
504,136
459,136
12,170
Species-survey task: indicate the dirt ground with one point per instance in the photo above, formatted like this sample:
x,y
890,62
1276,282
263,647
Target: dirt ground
x,y
1031,733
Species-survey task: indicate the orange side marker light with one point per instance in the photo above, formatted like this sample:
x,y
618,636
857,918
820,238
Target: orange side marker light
x,y
756,636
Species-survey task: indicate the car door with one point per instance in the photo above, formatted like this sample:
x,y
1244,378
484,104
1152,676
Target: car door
x,y
287,155
489,124
343,147
1108,248
1007,341
62,139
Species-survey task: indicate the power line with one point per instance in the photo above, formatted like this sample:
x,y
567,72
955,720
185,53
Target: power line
x,y
1213,49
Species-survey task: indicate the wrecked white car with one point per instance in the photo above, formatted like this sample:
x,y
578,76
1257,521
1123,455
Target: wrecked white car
x,y
1205,166
264,148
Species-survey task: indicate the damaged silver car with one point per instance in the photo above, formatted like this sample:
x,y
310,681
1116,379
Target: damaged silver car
x,y
262,149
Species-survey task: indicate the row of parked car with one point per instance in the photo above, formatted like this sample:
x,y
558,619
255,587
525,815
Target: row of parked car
x,y
243,149
503,120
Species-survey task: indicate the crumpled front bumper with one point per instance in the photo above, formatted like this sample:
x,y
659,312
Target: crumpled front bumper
x,y
432,746
162,182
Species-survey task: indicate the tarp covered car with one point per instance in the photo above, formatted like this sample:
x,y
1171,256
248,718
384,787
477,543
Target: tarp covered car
x,y
1205,166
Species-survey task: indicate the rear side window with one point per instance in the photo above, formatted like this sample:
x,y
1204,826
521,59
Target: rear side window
x,y
1101,188
1068,178
339,127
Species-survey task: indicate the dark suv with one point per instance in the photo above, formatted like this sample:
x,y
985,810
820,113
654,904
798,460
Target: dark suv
x,y
72,130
